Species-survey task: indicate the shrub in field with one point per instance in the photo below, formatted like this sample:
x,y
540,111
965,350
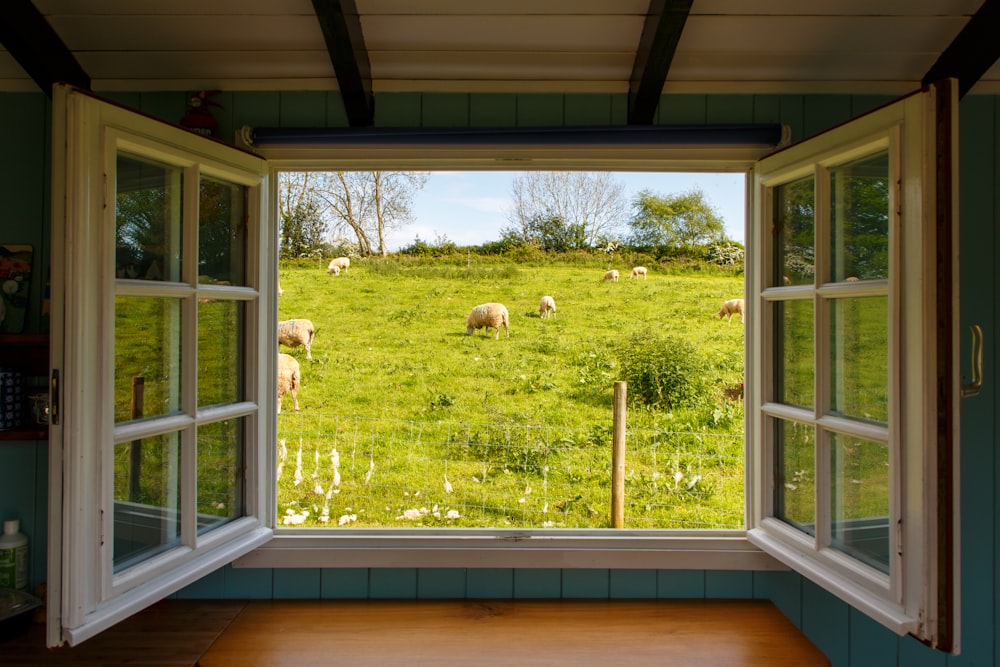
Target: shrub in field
x,y
663,371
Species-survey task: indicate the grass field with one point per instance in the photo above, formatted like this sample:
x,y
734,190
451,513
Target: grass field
x,y
405,420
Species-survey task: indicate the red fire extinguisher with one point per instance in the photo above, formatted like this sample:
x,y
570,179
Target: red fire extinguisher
x,y
197,118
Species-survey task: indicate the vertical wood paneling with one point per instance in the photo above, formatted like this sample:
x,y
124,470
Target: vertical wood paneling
x,y
791,113
349,583
256,109
681,110
492,110
540,110
586,583
784,589
766,109
583,110
490,583
871,643
445,110
249,583
397,110
540,583
336,114
297,583
210,587
821,112
302,108
729,109
633,584
392,582
825,622
914,654
168,106
680,584
726,584
441,582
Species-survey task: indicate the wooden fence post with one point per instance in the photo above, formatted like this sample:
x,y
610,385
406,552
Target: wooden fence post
x,y
135,449
618,458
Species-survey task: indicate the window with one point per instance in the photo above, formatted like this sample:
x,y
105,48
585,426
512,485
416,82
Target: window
x,y
840,379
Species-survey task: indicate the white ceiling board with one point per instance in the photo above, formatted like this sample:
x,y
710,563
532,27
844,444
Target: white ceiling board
x,y
367,7
837,7
803,68
502,33
194,7
157,65
508,66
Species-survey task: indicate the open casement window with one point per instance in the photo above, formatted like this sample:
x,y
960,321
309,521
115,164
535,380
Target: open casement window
x,y
852,375
159,325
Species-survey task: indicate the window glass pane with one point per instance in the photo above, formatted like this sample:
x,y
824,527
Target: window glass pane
x,y
795,221
222,236
860,497
147,498
147,220
220,351
147,357
220,473
794,361
795,490
859,213
859,341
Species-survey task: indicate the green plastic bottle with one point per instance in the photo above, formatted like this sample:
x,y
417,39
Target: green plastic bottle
x,y
13,556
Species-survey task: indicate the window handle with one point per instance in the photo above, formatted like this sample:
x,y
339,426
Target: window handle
x,y
974,387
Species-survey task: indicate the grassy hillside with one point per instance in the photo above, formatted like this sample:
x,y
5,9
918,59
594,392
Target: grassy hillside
x,y
406,420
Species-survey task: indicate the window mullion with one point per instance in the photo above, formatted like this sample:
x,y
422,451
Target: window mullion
x,y
821,347
189,357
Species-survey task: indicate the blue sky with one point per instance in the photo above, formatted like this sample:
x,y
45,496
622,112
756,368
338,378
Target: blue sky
x,y
471,207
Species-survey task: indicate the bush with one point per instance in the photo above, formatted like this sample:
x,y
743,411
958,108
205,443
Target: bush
x,y
665,372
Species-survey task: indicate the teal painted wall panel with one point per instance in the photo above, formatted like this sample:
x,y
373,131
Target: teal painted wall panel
x,y
441,583
256,109
540,110
210,587
393,582
784,589
302,108
582,110
249,583
725,109
336,114
445,110
766,109
725,584
538,583
682,110
824,111
585,583
297,583
169,106
632,584
871,643
791,110
914,654
485,583
398,110
349,583
492,110
825,620
680,584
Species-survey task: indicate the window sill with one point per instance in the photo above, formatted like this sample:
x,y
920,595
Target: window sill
x,y
705,550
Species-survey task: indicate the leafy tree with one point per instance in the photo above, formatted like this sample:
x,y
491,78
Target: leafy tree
x,y
574,209
680,221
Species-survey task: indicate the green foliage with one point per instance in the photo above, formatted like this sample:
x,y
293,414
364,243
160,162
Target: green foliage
x,y
679,221
302,230
663,371
550,233
726,254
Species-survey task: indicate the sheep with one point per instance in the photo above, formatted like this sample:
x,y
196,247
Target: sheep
x,y
488,315
730,308
338,263
546,307
611,275
638,271
289,379
297,332
852,279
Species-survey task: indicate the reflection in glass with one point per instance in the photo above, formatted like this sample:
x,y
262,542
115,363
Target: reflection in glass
x,y
147,498
860,499
220,351
859,341
147,357
859,203
794,361
147,220
220,473
222,233
795,222
795,476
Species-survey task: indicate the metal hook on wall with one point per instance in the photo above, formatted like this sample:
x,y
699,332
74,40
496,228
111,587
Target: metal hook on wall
x,y
973,388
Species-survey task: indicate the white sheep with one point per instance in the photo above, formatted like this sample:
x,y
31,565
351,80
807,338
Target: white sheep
x,y
488,315
338,264
611,275
289,379
546,307
730,308
297,332
638,271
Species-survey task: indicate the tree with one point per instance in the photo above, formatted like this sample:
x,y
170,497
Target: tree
x,y
303,229
589,206
680,221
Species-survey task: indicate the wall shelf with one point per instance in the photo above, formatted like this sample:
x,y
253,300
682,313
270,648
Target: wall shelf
x,y
28,353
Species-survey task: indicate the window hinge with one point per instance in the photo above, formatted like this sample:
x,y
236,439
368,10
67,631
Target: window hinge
x,y
54,397
102,529
899,538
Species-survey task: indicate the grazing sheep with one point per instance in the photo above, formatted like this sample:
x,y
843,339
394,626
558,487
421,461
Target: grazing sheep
x,y
638,271
611,275
852,279
488,315
546,307
730,308
289,379
297,332
338,264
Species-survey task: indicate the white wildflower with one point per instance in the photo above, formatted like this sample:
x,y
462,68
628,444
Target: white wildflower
x,y
694,480
547,524
347,518
318,489
447,485
410,515
451,514
678,476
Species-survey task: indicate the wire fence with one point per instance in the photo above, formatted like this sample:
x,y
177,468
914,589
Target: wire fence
x,y
363,472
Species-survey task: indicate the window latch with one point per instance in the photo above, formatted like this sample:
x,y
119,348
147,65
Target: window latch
x,y
973,388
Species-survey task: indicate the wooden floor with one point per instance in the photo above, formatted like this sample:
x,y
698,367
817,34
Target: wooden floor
x,y
439,633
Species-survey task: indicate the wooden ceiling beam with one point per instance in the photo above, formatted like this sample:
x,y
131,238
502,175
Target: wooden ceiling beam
x,y
37,48
973,51
341,27
660,34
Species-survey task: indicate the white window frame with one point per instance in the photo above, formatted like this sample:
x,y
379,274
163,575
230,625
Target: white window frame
x,y
76,532
85,594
